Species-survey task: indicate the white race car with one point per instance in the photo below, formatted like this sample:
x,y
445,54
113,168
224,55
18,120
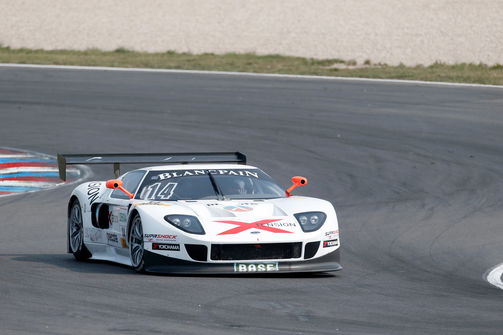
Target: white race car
x,y
198,213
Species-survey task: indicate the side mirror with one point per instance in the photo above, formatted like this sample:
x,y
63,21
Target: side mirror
x,y
297,181
117,184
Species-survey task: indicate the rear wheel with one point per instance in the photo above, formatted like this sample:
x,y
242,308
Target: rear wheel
x,y
136,248
76,233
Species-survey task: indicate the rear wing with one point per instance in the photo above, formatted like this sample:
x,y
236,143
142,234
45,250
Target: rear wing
x,y
157,158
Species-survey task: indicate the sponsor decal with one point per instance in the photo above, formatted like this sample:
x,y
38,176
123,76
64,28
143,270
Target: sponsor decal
x,y
93,191
267,225
239,208
153,203
159,237
330,243
112,218
180,173
93,234
122,217
332,232
256,267
248,204
188,173
280,224
166,246
331,235
124,243
112,238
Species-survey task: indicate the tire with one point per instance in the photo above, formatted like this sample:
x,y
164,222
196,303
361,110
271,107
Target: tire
x,y
76,233
136,247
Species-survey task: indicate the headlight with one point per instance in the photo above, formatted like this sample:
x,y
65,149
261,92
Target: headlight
x,y
311,221
187,223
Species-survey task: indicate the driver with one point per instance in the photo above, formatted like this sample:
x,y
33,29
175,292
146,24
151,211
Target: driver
x,y
235,186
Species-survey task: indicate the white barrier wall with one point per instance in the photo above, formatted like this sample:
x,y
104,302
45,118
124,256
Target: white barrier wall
x,y
388,31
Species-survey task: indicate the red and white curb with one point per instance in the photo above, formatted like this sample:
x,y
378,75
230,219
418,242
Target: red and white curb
x,y
24,171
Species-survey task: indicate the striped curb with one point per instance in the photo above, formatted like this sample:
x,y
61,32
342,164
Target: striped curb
x,y
25,171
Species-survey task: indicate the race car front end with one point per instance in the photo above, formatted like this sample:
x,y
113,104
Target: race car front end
x,y
241,237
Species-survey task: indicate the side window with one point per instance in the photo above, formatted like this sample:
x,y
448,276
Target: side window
x,y
130,182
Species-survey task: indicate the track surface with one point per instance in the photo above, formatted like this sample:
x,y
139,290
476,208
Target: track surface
x,y
414,171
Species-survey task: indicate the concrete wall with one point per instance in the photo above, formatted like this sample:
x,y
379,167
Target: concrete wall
x,y
389,31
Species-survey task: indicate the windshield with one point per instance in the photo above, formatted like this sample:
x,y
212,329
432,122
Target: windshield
x,y
208,184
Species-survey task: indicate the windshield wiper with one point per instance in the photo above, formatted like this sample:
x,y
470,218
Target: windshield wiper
x,y
217,189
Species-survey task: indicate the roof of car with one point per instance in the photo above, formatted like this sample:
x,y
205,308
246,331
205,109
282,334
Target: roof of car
x,y
198,166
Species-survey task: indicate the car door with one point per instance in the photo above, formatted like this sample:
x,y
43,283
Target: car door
x,y
118,207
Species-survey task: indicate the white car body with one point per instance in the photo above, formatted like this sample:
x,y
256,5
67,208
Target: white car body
x,y
240,236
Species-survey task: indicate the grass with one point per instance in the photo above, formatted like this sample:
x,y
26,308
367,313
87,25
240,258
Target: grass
x,y
462,73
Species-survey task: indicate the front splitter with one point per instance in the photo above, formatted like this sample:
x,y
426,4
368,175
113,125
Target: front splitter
x,y
162,264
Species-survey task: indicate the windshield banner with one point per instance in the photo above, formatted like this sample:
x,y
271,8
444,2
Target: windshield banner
x,y
187,173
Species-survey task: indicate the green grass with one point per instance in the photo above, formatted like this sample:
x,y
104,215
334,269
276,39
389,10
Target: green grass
x,y
462,73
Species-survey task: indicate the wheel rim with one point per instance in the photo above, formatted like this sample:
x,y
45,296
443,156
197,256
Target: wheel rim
x,y
136,242
76,228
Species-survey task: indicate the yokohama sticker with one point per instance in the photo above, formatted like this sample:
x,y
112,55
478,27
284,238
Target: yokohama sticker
x,y
166,246
330,243
256,267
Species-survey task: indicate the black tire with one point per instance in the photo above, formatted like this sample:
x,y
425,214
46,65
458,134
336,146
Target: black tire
x,y
136,247
76,233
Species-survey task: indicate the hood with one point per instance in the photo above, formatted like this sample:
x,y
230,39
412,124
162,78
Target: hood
x,y
232,220
236,209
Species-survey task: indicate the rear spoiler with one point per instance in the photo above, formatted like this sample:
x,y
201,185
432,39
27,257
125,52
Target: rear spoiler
x,y
158,158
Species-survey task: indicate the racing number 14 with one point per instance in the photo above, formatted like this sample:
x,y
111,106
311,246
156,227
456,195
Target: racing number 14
x,y
152,192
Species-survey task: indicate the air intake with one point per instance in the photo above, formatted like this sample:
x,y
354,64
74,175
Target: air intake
x,y
232,252
197,252
311,249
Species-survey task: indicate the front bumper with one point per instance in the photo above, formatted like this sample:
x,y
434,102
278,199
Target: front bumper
x,y
163,264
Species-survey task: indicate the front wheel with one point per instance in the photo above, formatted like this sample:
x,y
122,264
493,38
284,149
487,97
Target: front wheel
x,y
136,248
76,233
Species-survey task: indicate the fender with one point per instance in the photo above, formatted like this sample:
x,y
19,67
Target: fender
x,y
148,216
87,194
90,193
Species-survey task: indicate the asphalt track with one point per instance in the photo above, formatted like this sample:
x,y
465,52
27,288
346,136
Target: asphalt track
x,y
413,170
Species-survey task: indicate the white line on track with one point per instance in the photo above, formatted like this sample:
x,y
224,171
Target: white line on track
x,y
248,74
15,156
494,276
23,183
32,169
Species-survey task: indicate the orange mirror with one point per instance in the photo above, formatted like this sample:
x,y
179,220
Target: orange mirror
x,y
114,183
117,184
297,181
